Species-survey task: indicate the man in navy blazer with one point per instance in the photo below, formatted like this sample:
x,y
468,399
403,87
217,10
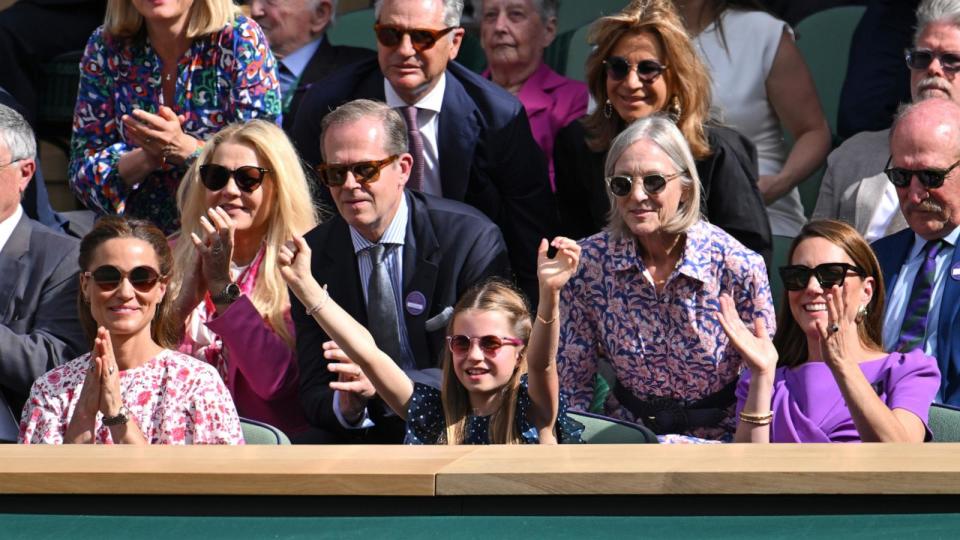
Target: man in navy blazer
x,y
925,138
39,328
478,147
440,249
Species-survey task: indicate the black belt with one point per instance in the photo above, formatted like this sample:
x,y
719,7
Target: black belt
x,y
667,415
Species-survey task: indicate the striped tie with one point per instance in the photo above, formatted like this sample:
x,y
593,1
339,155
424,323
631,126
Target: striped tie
x,y
415,139
914,327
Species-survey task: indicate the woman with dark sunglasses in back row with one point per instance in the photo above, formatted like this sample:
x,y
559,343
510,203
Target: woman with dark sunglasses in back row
x,y
825,377
644,63
243,198
131,389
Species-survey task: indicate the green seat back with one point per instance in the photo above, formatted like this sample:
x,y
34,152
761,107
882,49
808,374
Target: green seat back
x,y
944,423
255,432
602,430
578,51
355,29
572,14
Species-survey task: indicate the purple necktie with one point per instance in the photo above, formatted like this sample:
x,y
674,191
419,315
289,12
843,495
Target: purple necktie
x,y
914,327
415,139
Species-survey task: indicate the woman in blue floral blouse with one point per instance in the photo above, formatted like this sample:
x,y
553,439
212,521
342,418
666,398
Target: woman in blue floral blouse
x,y
157,79
645,298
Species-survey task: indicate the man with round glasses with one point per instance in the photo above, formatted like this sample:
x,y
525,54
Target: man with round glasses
x,y
470,140
921,265
394,259
855,188
39,328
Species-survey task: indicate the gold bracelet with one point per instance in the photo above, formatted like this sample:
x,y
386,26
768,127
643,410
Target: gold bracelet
x,y
551,321
319,305
757,419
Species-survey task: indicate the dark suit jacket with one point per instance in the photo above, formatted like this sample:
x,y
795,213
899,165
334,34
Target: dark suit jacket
x,y
325,61
448,247
39,328
730,197
892,252
488,157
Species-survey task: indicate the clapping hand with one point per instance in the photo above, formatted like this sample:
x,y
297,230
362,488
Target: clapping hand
x,y
160,135
833,333
554,273
111,398
215,249
756,347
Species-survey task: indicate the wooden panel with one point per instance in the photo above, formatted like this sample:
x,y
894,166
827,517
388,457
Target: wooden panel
x,y
203,470
705,469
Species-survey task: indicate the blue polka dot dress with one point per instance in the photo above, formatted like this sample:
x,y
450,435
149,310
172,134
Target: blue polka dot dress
x,y
426,424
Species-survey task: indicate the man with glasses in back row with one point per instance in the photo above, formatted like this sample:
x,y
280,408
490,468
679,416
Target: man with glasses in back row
x,y
854,187
396,260
470,139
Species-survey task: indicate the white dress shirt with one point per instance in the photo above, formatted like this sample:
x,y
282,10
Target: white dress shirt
x,y
428,118
8,225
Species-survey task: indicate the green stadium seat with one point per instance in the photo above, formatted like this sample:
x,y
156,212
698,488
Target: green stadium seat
x,y
604,430
572,14
944,423
255,432
355,29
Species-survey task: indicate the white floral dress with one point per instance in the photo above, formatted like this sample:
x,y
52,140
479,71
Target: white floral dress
x,y
173,397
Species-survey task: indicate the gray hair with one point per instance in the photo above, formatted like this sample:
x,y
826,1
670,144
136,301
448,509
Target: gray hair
x,y
452,11
546,8
660,130
17,135
932,11
394,126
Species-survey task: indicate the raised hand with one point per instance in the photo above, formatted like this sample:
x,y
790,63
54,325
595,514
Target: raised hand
x,y
215,249
111,398
160,135
354,386
834,334
756,347
554,273
294,262
89,401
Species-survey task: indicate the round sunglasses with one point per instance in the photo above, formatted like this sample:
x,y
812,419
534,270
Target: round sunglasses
x,y
922,58
460,344
929,178
647,70
335,175
108,278
796,277
621,185
248,178
421,39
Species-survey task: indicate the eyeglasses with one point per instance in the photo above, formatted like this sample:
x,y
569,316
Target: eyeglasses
x,y
796,277
647,70
922,58
335,175
621,185
248,177
460,344
108,278
929,178
421,38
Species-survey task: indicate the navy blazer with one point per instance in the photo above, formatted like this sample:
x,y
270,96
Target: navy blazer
x,y
39,328
448,247
488,156
892,252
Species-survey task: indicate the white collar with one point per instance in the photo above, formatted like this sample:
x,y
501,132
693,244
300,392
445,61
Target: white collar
x,y
297,61
8,225
433,101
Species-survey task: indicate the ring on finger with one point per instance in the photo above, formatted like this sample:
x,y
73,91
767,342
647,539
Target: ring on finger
x,y
111,370
833,329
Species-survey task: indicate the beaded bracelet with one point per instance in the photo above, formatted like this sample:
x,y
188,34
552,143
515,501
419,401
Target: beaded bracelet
x,y
319,305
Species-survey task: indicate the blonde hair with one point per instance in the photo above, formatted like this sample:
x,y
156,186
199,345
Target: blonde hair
x,y
291,212
122,19
686,78
491,295
662,132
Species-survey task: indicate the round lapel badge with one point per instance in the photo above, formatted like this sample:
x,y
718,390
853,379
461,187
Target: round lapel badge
x,y
416,302
955,271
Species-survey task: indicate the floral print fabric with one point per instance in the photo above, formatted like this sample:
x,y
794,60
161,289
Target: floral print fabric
x,y
666,344
228,76
174,398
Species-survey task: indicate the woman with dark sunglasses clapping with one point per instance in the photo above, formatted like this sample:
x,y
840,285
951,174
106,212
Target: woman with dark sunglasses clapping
x,y
825,377
645,297
644,63
243,198
131,389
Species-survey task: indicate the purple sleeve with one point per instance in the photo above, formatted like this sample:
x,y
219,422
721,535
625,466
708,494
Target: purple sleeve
x,y
913,384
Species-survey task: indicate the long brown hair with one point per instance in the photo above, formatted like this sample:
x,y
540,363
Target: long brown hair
x,y
790,340
491,295
686,77
165,329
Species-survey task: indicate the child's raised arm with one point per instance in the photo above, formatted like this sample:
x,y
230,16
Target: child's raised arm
x,y
391,382
542,379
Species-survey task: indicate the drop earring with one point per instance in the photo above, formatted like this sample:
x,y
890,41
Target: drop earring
x,y
608,109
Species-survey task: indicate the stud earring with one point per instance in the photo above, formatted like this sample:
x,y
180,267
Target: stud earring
x,y
608,109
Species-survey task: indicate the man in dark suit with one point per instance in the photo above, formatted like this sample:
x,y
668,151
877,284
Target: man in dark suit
x,y
296,32
427,249
921,265
39,328
470,138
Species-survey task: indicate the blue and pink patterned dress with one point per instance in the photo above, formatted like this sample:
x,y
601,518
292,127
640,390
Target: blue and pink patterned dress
x,y
225,77
666,344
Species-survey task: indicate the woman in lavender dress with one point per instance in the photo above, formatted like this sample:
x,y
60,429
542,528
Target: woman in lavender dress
x,y
825,377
